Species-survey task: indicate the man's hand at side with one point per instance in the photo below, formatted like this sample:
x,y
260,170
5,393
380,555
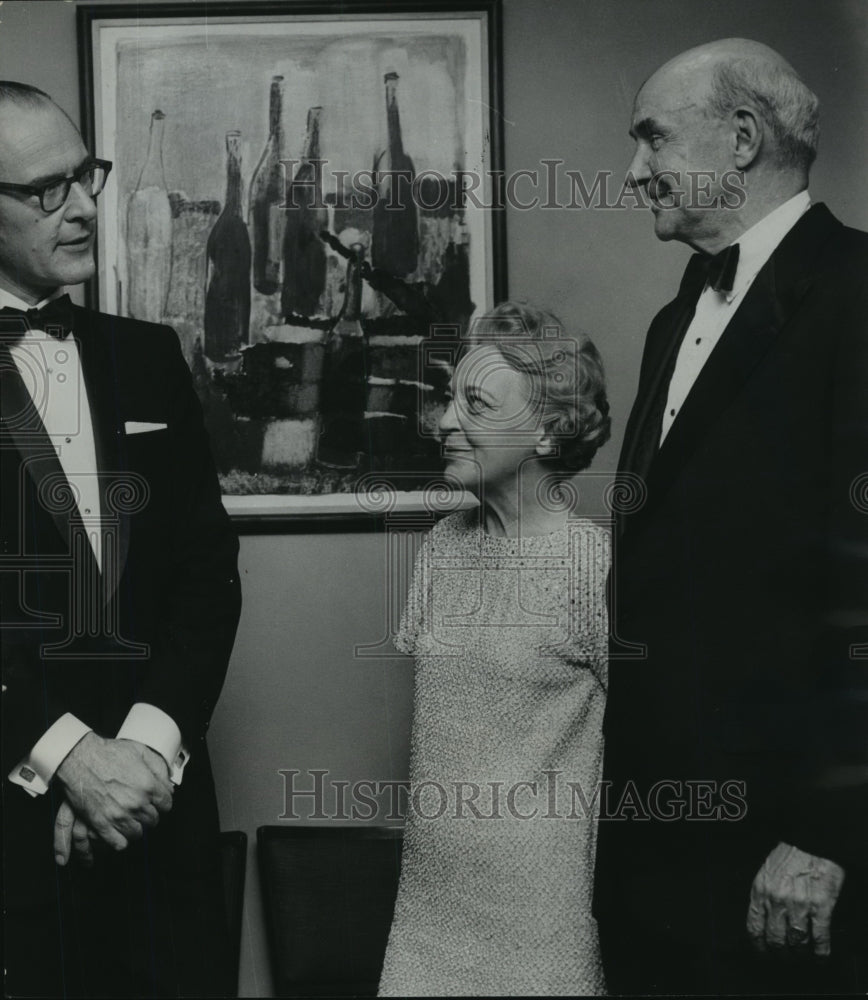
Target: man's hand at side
x,y
115,788
791,902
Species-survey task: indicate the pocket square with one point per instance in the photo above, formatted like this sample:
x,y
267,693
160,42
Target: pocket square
x,y
141,427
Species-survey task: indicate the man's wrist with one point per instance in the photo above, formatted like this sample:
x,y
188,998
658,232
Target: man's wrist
x,y
157,730
35,772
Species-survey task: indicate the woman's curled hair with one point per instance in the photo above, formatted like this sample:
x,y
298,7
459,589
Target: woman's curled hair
x,y
565,373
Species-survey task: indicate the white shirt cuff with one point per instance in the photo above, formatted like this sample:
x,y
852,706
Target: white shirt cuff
x,y
35,772
152,726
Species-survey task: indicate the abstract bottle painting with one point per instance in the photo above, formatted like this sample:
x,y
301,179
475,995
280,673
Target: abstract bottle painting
x,y
396,240
149,233
304,255
267,193
227,301
305,304
343,395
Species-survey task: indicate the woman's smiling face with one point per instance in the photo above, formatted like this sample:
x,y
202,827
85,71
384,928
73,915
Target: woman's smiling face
x,y
492,424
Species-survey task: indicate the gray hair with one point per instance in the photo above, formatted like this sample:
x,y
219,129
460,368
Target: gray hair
x,y
567,380
785,104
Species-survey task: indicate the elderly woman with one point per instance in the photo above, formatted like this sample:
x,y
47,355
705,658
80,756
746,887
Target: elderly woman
x,y
506,620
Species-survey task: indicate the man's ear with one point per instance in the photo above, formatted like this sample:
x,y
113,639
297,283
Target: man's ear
x,y
748,133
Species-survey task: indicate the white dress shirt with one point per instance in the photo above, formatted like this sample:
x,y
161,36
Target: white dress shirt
x,y
51,371
714,309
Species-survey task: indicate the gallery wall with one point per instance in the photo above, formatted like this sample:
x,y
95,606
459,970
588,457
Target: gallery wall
x,y
297,697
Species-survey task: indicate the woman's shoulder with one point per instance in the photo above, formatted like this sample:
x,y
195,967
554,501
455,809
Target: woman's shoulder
x,y
463,524
455,527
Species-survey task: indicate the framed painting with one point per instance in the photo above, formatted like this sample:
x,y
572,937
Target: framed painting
x,y
308,194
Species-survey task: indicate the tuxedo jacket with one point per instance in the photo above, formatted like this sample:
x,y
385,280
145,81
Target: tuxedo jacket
x,y
739,600
158,623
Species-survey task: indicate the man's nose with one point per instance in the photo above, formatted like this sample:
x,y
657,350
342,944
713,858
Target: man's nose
x,y
79,204
449,420
639,172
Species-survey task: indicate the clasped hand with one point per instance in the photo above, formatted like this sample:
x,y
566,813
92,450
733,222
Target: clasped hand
x,y
791,902
113,790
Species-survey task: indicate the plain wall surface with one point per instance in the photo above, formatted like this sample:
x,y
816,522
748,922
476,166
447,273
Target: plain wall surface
x,y
296,697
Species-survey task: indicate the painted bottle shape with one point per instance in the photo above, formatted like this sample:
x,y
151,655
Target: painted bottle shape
x,y
451,296
149,234
395,242
306,215
266,198
227,299
344,384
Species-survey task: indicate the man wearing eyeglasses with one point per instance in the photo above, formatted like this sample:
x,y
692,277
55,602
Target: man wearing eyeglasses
x,y
120,600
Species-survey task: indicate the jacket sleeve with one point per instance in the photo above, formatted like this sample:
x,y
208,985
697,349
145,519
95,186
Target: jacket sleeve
x,y
827,811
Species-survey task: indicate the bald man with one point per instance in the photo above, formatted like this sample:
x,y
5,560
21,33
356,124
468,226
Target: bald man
x,y
734,840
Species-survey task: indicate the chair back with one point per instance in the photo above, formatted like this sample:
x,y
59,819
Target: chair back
x,y
329,894
233,849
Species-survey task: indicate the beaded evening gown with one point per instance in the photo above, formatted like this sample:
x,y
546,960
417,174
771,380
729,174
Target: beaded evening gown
x,y
510,641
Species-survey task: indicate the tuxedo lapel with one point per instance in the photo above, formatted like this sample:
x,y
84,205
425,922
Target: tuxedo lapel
x,y
27,434
753,329
664,339
660,349
98,369
747,338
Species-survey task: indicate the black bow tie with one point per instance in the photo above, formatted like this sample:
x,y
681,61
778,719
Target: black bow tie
x,y
721,267
55,318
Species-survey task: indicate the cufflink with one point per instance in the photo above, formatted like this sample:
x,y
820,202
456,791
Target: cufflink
x,y
26,774
178,767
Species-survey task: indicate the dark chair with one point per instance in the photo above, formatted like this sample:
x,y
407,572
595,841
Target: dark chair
x,y
233,848
329,893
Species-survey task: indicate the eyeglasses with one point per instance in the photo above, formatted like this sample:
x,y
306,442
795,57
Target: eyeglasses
x,y
91,175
